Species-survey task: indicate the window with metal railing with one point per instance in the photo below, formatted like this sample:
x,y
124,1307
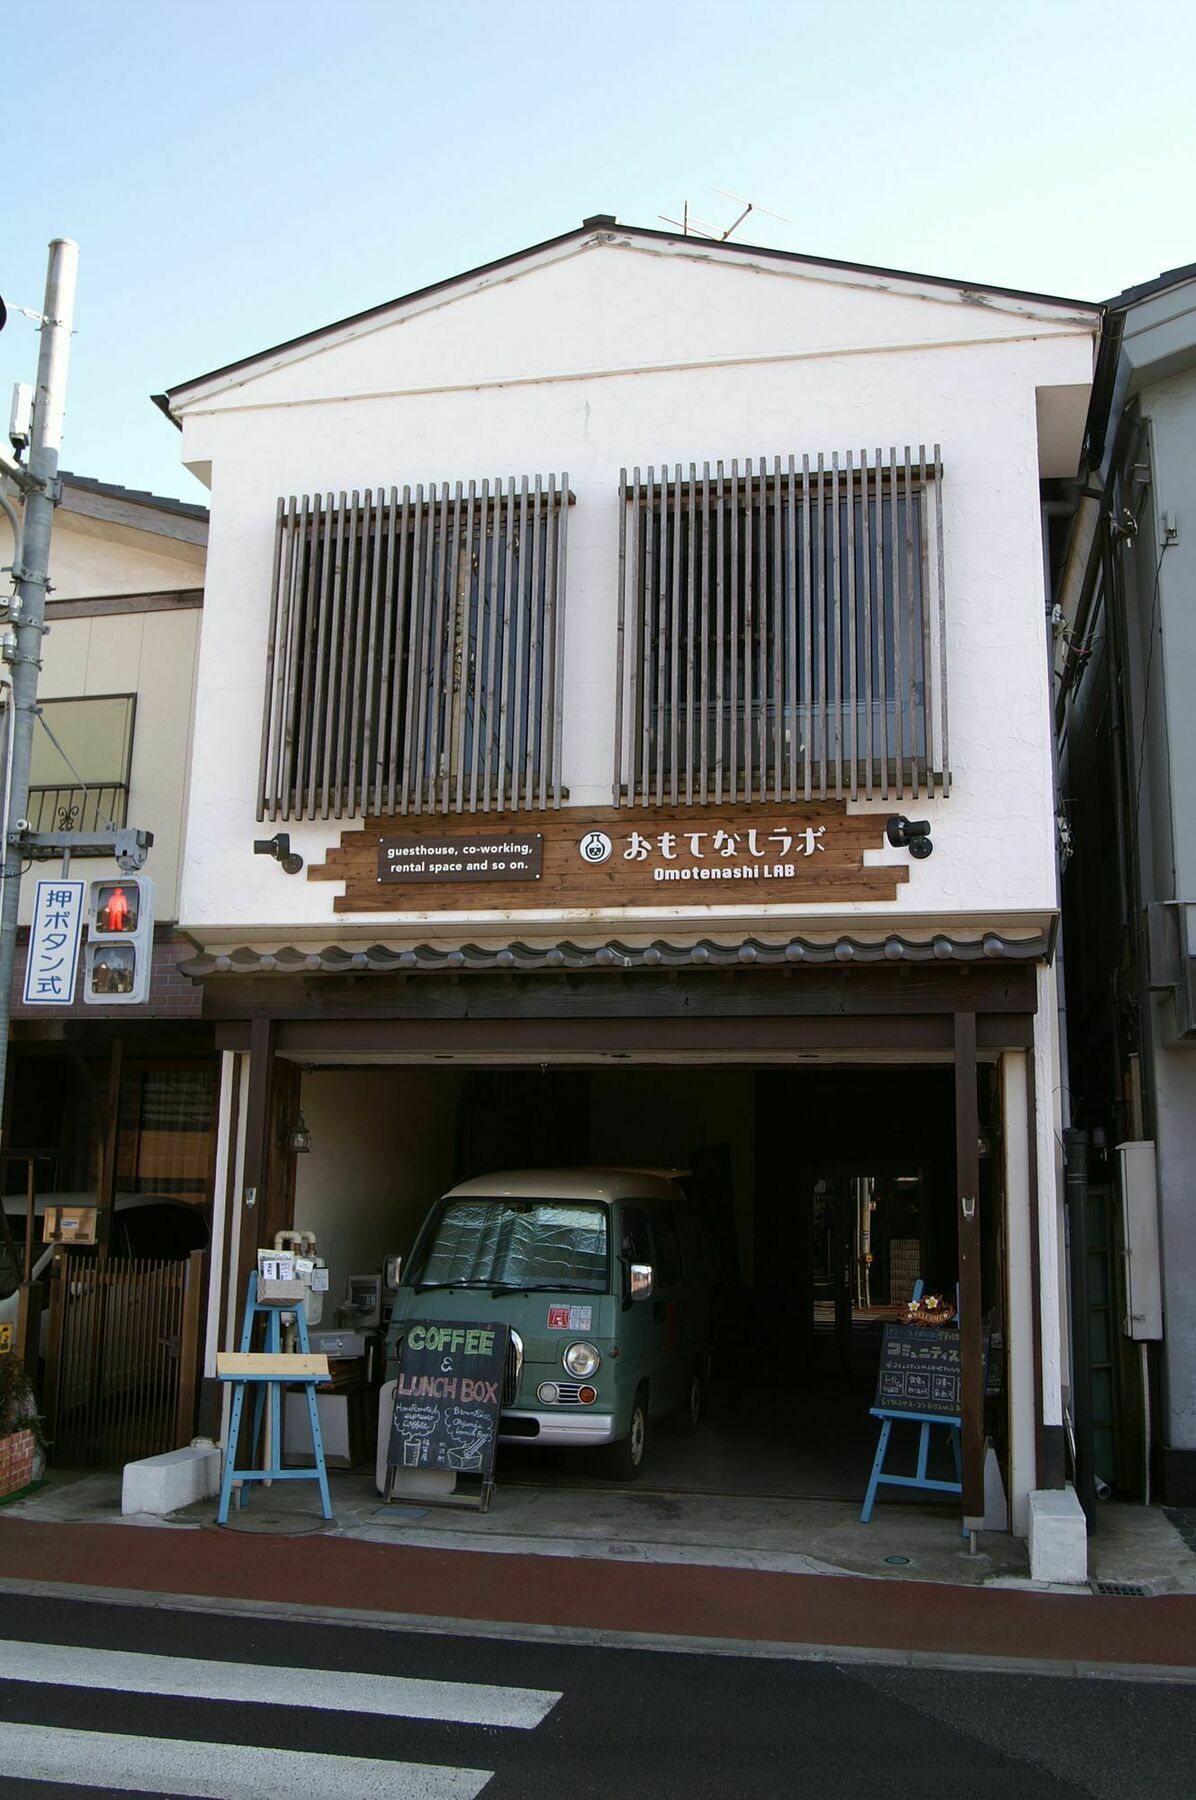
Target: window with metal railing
x,y
781,631
415,651
79,774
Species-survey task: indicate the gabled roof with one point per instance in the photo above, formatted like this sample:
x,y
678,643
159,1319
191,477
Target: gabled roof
x,y
1146,290
605,227
136,508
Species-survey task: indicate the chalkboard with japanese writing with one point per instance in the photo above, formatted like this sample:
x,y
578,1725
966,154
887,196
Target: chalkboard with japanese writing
x,y
448,1395
919,1371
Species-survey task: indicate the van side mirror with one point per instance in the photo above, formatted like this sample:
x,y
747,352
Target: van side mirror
x,y
641,1281
392,1273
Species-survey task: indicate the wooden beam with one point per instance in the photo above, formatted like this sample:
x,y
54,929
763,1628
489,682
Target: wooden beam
x,y
596,1037
817,993
971,1331
104,606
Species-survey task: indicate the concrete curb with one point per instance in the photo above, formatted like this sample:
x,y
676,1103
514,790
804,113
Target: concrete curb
x,y
584,1638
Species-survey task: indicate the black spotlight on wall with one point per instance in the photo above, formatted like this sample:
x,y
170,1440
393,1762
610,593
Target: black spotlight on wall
x,y
910,834
279,847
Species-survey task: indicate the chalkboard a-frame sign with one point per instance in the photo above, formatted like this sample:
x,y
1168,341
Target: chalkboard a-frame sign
x,y
448,1396
919,1371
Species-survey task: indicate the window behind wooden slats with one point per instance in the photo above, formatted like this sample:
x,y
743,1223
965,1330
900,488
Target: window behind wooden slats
x,y
415,651
781,632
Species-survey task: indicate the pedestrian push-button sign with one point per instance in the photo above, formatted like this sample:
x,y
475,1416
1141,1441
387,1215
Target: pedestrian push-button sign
x,y
54,944
120,941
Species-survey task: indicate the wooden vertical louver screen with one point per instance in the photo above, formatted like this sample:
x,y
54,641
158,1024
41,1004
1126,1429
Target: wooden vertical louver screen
x,y
781,631
415,651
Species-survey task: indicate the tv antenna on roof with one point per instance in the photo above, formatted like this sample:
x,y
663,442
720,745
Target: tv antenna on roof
x,y
692,227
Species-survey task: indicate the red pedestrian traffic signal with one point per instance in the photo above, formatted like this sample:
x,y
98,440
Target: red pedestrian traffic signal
x,y
120,941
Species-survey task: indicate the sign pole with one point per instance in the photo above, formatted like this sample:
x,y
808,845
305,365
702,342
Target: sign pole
x,y
27,609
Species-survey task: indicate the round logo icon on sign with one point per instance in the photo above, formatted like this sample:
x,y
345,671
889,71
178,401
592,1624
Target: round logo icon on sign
x,y
595,847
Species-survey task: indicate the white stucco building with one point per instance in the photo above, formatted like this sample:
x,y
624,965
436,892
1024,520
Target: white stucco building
x,y
610,568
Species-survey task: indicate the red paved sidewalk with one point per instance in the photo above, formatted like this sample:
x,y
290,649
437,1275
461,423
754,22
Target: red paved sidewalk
x,y
588,1594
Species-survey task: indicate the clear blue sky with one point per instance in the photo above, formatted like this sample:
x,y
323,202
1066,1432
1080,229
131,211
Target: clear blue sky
x,y
237,173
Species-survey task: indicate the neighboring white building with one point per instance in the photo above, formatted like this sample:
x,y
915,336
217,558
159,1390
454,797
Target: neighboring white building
x,y
794,591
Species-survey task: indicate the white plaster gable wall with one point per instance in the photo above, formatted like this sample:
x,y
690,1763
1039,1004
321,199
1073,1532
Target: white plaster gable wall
x,y
91,557
994,836
606,305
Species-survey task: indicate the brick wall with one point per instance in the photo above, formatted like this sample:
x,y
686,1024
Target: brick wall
x,y
172,995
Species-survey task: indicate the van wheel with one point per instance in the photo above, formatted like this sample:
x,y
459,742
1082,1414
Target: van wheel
x,y
688,1415
624,1461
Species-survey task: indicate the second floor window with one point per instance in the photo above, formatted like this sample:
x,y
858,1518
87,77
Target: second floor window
x,y
781,632
415,651
81,782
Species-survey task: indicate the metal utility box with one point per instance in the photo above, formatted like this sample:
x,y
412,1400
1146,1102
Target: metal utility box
x,y
1140,1236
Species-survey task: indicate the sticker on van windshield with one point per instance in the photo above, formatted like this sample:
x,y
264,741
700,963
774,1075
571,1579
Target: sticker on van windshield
x,y
570,1318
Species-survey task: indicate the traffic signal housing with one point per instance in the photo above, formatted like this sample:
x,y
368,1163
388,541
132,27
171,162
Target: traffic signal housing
x,y
120,941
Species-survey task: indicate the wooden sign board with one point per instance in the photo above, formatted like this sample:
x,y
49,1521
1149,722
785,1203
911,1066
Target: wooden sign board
x,y
600,859
481,856
919,1370
448,1396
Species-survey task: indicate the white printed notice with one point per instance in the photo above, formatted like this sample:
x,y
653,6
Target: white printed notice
x,y
54,943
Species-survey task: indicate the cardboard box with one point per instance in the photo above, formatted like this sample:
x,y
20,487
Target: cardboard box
x,y
69,1225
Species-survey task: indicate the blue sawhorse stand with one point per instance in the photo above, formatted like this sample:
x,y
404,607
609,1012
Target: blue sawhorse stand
x,y
270,1380
921,1479
889,1417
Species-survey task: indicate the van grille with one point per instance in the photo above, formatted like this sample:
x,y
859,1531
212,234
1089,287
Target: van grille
x,y
513,1370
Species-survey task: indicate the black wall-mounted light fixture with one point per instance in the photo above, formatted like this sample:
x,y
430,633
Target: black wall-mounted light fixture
x,y
910,834
279,847
295,1137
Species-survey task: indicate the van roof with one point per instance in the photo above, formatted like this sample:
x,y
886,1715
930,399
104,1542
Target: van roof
x,y
568,1184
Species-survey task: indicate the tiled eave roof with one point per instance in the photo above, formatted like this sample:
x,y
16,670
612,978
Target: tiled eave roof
x,y
422,959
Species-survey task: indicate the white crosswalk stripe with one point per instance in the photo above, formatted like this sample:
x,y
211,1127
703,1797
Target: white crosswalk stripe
x,y
331,1690
140,1765
213,1770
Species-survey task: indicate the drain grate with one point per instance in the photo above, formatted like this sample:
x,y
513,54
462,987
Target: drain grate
x,y
1124,1590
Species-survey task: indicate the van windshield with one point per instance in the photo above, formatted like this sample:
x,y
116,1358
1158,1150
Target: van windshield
x,y
551,1244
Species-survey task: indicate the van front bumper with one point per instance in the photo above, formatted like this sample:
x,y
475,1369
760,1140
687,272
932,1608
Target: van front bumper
x,y
580,1426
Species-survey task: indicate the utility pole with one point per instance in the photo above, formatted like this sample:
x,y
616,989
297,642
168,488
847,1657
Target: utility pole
x,y
22,647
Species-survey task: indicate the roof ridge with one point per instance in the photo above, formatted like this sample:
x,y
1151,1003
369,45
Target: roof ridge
x,y
139,496
605,225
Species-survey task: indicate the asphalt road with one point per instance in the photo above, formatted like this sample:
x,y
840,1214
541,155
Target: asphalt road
x,y
104,1699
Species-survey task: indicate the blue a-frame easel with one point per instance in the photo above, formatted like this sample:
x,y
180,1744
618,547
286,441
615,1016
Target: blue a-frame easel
x,y
889,1417
272,1384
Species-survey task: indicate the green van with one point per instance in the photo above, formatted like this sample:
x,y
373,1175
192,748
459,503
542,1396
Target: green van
x,y
607,1279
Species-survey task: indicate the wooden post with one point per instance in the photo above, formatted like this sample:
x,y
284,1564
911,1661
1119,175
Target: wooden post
x,y
30,1299
189,1348
258,1122
54,1344
971,1336
106,1195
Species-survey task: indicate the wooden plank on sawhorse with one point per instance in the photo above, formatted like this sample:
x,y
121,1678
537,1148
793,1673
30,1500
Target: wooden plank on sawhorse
x,y
269,1373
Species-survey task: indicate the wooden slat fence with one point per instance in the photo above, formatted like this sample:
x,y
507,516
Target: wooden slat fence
x,y
122,1358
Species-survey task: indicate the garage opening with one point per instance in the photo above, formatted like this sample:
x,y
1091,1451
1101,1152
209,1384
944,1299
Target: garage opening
x,y
828,1192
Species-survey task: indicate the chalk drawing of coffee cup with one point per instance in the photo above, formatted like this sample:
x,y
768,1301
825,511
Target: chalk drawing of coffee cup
x,y
411,1450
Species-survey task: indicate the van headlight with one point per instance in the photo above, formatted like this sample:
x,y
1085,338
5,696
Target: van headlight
x,y
581,1359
